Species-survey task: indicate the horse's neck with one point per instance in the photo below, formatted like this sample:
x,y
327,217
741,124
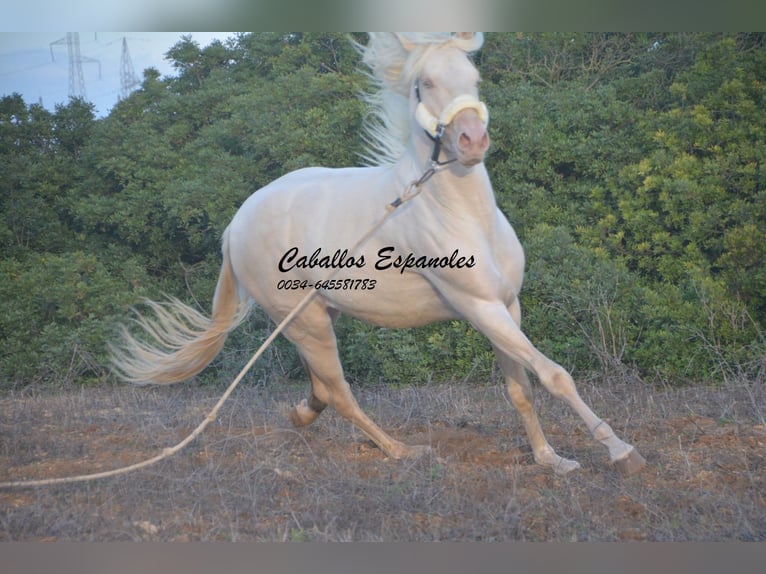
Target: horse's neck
x,y
453,188
467,189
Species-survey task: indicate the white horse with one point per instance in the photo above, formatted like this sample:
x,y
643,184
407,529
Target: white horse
x,y
448,253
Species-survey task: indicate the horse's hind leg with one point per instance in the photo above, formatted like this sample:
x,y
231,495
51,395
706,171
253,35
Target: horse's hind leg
x,y
312,332
307,411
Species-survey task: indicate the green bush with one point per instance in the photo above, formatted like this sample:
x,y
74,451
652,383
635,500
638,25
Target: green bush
x,y
631,166
63,313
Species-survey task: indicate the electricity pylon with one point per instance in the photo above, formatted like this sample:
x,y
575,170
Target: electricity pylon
x,y
128,78
76,77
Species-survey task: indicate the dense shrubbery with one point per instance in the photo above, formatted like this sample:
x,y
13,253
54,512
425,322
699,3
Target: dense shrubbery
x,y
632,167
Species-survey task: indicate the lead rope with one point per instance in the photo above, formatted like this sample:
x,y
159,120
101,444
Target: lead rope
x,y
412,190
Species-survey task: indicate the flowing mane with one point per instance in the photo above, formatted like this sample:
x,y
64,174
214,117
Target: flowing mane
x,y
395,60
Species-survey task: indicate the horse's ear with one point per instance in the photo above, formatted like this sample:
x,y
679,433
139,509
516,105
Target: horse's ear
x,y
469,41
406,43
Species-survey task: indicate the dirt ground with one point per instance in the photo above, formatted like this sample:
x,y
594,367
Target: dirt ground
x,y
250,476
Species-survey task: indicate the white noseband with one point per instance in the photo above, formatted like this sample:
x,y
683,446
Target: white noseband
x,y
434,125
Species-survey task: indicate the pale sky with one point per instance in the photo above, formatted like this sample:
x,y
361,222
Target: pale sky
x,y
27,66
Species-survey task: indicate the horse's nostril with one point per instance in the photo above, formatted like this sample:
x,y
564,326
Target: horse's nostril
x,y
466,142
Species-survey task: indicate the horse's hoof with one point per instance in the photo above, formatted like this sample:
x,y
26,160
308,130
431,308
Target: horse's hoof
x,y
559,464
631,463
565,466
412,452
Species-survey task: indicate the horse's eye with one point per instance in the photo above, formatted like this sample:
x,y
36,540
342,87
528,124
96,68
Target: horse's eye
x,y
428,83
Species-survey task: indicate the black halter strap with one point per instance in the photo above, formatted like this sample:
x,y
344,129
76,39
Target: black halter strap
x,y
437,139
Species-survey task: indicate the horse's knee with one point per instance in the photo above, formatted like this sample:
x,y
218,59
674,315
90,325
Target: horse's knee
x,y
560,384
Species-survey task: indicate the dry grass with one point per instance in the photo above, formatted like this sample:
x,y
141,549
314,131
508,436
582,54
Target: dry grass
x,y
252,477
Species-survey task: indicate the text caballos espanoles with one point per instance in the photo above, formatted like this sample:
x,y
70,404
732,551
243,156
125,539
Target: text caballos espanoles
x,y
387,258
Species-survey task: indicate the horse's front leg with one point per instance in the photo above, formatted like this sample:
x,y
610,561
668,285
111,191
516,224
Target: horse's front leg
x,y
520,393
494,320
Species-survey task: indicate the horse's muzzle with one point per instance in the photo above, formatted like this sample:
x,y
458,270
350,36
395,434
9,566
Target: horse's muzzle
x,y
471,138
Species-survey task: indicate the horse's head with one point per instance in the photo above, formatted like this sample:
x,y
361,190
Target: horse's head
x,y
445,97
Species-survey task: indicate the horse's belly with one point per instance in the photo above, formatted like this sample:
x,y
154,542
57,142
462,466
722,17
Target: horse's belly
x,y
394,301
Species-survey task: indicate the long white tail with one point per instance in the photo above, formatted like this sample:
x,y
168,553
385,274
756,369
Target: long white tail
x,y
182,341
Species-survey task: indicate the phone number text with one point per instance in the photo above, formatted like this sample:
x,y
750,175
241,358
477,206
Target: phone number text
x,y
328,284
